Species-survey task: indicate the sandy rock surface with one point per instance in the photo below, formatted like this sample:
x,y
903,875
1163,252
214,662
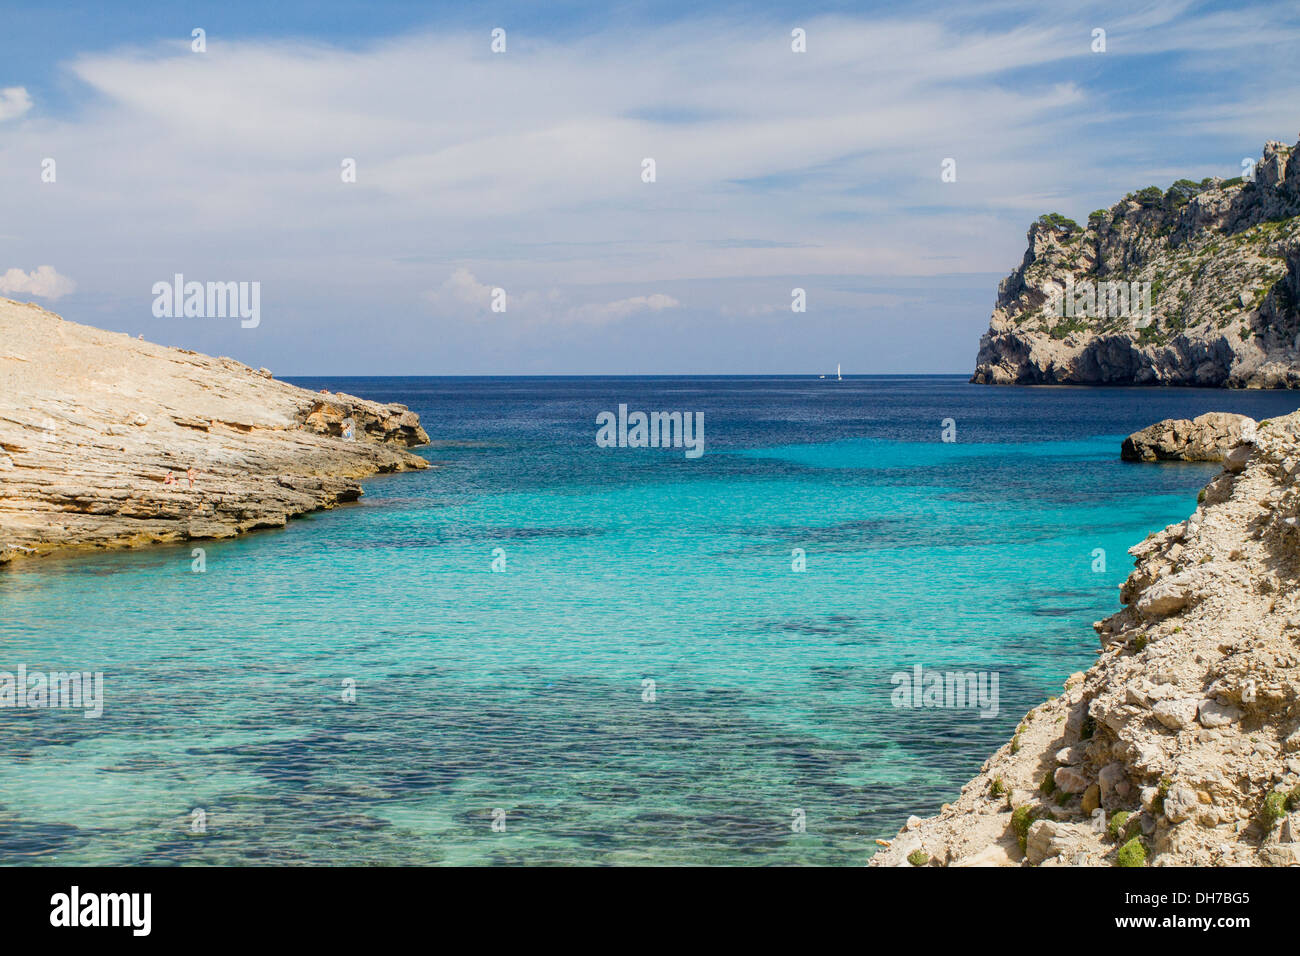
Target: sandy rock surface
x,y
92,423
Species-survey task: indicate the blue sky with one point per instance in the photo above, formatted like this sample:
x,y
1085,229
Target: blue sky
x,y
522,170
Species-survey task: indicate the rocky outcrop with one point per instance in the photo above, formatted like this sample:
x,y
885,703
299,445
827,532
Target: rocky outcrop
x,y
1181,745
92,423
1217,261
1207,437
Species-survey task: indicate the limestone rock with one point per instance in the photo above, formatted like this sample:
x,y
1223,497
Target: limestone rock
x,y
1180,804
1189,715
1208,437
1070,780
1281,854
1176,714
92,423
1214,714
995,855
1171,594
1217,261
1235,460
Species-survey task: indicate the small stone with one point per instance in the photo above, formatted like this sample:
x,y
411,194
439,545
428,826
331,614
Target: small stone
x,y
1038,842
1070,780
913,822
1214,714
1069,755
1176,714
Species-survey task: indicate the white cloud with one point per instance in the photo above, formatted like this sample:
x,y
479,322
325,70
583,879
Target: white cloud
x,y
14,102
549,149
463,296
599,314
227,165
462,292
42,281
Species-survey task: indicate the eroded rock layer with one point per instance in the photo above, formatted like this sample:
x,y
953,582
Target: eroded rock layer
x,y
93,422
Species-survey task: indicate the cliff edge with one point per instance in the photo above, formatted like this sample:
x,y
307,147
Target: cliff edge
x,y
1181,745
93,423
1195,285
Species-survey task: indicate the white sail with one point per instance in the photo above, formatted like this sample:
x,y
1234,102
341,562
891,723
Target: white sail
x,y
837,372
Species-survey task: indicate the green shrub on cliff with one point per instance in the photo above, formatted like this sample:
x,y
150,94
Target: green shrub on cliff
x,y
1162,791
1273,810
1131,853
1150,197
1181,193
1021,818
1062,224
1116,825
918,858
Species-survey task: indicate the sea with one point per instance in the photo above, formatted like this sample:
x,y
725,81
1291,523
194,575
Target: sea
x,y
546,651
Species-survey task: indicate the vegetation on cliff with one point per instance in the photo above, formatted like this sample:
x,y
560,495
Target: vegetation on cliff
x,y
1219,260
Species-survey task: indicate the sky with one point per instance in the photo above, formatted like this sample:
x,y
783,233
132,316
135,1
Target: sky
x,y
519,177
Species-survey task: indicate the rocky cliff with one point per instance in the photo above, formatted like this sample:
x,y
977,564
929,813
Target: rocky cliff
x,y
1181,745
93,423
1198,284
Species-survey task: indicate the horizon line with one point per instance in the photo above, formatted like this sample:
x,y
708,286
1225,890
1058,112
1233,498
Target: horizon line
x,y
792,375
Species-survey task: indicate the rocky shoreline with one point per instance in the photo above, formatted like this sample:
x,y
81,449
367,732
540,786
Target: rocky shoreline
x,y
1196,285
1181,745
99,433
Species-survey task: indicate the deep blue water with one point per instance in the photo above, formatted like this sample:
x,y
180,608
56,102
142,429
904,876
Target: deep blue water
x,y
526,691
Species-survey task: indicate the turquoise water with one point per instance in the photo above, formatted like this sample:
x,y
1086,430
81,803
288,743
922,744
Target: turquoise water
x,y
524,690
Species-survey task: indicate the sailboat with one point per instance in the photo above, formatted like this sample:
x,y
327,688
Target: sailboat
x,y
838,376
